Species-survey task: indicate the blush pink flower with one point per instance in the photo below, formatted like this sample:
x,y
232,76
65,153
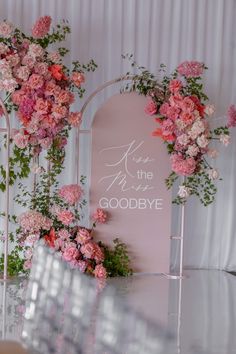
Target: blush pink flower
x,y
100,216
71,193
70,254
175,86
100,271
75,118
77,78
54,57
41,68
6,29
167,127
173,112
28,61
98,254
41,27
63,234
88,250
231,116
164,109
34,221
65,216
36,81
190,69
23,73
151,108
21,140
183,167
42,106
45,143
83,236
36,50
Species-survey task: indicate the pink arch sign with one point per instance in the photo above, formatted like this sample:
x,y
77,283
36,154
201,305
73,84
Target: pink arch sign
x,y
128,171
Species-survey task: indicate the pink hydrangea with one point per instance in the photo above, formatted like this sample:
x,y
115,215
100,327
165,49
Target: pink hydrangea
x,y
66,217
71,193
100,216
34,221
6,29
231,116
151,108
190,69
41,27
182,166
83,236
77,78
70,254
100,271
75,118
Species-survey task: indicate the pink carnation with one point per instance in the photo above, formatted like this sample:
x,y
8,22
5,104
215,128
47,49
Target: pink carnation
x,y
71,193
151,108
77,78
100,216
231,116
100,271
65,216
183,167
83,236
190,69
70,254
75,118
41,27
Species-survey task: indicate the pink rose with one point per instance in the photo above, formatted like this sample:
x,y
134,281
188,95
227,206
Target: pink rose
x,y
83,236
151,108
88,250
42,106
75,118
63,233
28,61
54,57
100,271
66,217
77,78
98,254
41,68
175,86
23,73
70,254
35,81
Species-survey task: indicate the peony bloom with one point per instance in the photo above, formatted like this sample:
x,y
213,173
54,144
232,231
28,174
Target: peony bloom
x,y
100,216
41,27
71,193
70,253
231,116
75,118
77,78
88,250
190,69
65,216
213,174
151,108
100,271
63,234
6,29
184,192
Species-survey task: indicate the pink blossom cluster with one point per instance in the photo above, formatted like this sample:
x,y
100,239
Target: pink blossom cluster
x,y
39,87
232,116
182,122
34,221
71,193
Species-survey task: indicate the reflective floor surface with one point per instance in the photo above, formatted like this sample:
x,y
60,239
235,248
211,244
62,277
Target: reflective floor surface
x,y
200,310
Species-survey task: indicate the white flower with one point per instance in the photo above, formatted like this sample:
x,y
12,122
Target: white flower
x,y
213,173
209,109
213,153
202,141
184,192
193,150
225,139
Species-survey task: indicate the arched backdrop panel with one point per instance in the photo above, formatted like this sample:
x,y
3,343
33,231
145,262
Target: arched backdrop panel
x,y
157,31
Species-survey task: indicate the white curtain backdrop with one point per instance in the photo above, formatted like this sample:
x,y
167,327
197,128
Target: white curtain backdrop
x,y
157,31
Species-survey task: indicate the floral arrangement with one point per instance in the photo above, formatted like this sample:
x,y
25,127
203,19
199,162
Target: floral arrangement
x,y
40,88
182,112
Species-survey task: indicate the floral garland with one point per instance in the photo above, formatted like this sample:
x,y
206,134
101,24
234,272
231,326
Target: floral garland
x,y
180,107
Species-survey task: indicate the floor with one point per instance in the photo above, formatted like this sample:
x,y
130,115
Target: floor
x,y
203,322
